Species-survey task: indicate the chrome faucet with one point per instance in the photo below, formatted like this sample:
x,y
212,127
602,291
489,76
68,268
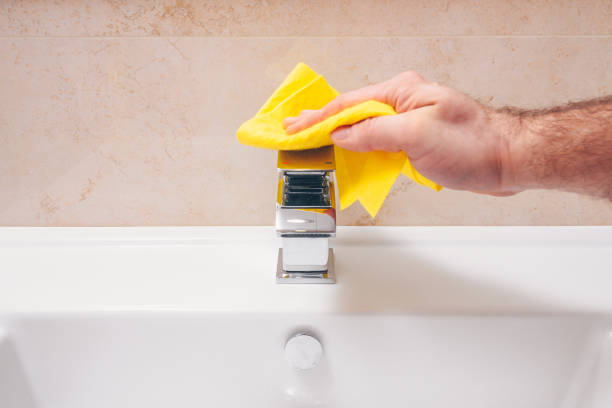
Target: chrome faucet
x,y
306,215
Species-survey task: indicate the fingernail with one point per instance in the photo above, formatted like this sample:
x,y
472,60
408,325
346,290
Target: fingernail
x,y
339,134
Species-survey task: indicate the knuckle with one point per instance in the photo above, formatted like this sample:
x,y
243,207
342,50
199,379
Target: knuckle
x,y
410,76
445,94
366,128
305,114
364,133
446,98
337,104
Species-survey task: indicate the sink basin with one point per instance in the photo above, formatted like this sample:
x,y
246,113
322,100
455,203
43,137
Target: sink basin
x,y
192,317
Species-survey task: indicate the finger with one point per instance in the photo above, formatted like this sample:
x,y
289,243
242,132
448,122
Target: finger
x,y
385,133
341,102
292,119
288,121
419,96
405,91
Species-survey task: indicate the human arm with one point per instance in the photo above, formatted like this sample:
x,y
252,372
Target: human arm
x,y
462,144
565,148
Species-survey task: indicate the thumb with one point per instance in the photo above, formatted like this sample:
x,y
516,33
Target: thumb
x,y
378,133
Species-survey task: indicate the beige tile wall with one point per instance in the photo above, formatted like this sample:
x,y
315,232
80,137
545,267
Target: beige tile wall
x,y
124,112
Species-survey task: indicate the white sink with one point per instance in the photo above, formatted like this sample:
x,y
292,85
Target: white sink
x,y
192,317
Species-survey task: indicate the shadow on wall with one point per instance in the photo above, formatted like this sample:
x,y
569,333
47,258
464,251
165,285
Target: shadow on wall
x,y
15,390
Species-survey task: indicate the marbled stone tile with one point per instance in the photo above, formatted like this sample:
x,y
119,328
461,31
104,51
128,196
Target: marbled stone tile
x,y
594,211
305,18
4,21
142,131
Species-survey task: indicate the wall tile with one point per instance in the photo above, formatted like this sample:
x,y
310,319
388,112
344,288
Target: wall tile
x,y
4,22
141,131
594,211
306,18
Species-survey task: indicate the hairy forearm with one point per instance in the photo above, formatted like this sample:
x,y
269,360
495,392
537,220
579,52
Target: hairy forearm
x,y
565,148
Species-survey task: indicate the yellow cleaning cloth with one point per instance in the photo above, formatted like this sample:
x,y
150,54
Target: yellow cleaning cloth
x,y
367,177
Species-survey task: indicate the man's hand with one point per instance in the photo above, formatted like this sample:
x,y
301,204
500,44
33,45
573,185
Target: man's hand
x,y
449,137
459,143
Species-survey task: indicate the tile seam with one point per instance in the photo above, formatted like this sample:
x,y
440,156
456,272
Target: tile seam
x,y
605,36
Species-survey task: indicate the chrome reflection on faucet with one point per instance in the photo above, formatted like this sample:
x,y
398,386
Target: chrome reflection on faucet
x,y
306,215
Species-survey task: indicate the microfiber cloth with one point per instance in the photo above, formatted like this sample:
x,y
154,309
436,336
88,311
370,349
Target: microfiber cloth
x,y
364,176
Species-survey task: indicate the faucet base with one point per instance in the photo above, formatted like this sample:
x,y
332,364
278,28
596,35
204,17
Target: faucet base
x,y
324,276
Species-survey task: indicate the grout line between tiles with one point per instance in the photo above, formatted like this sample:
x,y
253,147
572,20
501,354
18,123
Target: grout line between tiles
x,y
374,37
